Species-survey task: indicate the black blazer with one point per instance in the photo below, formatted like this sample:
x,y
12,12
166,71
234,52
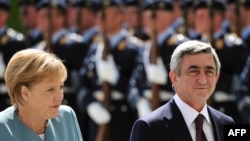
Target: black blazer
x,y
167,124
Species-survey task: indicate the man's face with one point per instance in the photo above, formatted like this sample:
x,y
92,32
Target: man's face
x,y
132,18
4,15
86,18
197,79
54,16
28,16
202,20
114,19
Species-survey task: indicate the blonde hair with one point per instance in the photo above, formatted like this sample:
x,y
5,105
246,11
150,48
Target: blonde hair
x,y
29,66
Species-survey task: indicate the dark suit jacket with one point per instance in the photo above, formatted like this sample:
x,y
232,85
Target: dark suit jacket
x,y
167,124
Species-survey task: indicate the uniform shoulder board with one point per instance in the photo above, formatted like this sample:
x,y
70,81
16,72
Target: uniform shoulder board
x,y
135,41
232,40
14,35
176,39
71,38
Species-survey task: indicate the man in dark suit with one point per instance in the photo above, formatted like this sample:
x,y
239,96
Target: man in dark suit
x,y
194,72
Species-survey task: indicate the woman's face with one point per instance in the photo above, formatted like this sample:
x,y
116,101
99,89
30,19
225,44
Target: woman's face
x,y
45,97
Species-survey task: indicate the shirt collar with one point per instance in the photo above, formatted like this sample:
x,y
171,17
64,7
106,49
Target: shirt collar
x,y
189,114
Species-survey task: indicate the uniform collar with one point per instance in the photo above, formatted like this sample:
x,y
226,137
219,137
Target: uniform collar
x,y
90,33
177,23
245,32
115,39
56,36
3,30
163,35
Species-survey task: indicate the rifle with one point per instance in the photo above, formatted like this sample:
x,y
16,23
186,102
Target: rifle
x,y
212,42
237,12
104,129
153,58
48,46
211,14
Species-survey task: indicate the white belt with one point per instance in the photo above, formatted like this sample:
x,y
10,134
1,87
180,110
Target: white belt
x,y
220,96
115,95
163,95
3,88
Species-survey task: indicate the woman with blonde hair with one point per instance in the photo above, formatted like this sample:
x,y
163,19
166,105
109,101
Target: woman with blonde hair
x,y
35,82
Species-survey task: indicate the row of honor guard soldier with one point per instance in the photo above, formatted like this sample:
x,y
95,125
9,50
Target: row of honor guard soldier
x,y
232,52
147,73
68,46
116,70
27,14
10,42
242,92
87,15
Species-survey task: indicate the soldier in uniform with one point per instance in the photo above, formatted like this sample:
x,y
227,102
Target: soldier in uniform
x,y
147,73
87,13
28,13
10,42
232,20
71,16
226,46
134,20
116,71
242,90
68,46
242,93
244,7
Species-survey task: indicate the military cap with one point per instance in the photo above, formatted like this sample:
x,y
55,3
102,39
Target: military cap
x,y
54,3
92,4
186,3
70,2
215,4
106,3
27,2
147,4
231,1
163,4
245,3
5,4
132,2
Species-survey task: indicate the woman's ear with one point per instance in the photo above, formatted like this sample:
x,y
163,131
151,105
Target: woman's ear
x,y
25,93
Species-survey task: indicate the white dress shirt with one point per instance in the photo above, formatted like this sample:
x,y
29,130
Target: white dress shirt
x,y
189,114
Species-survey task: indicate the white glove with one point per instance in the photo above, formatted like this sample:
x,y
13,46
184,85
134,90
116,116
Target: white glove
x,y
143,107
107,70
98,113
157,73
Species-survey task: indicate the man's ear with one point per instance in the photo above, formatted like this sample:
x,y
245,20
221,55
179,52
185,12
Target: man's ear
x,y
172,77
25,93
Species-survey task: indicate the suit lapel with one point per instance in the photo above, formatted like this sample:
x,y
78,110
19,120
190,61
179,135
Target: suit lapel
x,y
217,125
175,124
50,133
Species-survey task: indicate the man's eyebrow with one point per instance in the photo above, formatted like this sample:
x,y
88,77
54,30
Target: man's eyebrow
x,y
197,67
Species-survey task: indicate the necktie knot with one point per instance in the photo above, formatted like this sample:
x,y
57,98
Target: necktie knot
x,y
199,121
